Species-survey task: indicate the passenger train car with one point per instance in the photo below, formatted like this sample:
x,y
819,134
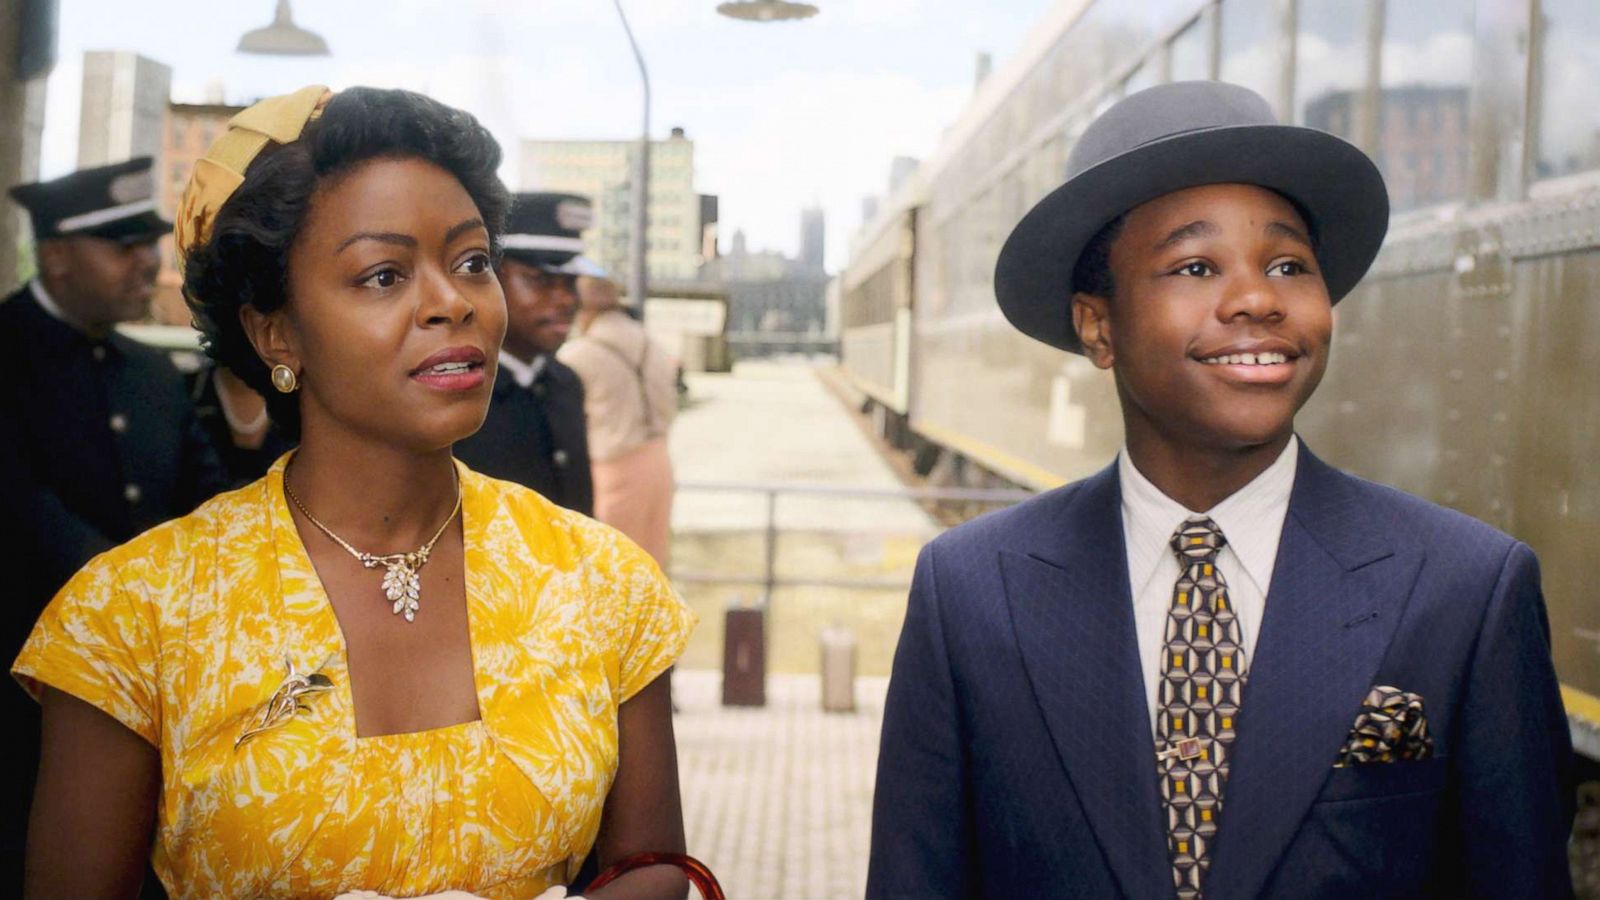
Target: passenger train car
x,y
1466,367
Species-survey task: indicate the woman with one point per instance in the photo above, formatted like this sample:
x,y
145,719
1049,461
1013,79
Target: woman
x,y
371,670
235,418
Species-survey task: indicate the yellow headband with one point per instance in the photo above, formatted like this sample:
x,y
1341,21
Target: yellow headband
x,y
220,172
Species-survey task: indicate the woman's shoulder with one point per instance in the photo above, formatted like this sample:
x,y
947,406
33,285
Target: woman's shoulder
x,y
158,556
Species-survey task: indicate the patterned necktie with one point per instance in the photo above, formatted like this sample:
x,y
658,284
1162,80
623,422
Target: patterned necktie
x,y
1201,678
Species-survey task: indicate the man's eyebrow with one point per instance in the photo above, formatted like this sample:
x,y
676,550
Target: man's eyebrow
x,y
1284,229
463,227
1197,228
386,237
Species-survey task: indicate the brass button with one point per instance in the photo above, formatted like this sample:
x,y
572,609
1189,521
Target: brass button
x,y
119,423
132,493
99,353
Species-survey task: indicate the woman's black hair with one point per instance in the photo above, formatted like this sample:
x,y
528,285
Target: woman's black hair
x,y
246,258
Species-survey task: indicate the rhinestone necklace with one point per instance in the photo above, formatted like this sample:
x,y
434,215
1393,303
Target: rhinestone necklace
x,y
401,582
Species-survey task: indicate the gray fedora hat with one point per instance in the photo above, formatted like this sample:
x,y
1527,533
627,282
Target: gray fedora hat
x,y
1177,136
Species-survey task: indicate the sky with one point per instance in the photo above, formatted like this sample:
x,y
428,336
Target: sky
x,y
783,115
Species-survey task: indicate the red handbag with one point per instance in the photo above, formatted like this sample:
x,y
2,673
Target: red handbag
x,y
699,875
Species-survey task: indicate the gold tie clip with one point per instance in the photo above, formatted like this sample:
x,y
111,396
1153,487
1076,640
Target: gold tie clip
x,y
1185,749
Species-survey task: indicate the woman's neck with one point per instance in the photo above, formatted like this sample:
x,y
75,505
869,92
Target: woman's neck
x,y
380,498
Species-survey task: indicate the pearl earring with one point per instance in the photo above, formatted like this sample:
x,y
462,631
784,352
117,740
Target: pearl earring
x,y
284,379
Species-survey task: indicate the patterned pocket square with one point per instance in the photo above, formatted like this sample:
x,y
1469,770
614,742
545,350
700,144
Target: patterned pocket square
x,y
1391,727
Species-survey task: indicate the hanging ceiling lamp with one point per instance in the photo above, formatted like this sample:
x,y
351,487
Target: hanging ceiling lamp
x,y
766,10
283,37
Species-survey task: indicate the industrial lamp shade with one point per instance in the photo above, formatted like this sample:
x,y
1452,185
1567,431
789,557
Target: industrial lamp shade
x,y
283,37
766,10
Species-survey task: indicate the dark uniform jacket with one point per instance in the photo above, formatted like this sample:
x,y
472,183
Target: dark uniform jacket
x,y
536,436
98,442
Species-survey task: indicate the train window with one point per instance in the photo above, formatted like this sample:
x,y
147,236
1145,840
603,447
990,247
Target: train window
x,y
1252,32
1330,67
1568,124
1422,108
1190,52
1147,75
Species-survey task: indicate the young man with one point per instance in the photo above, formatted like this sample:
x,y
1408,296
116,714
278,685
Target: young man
x,y
535,433
1219,667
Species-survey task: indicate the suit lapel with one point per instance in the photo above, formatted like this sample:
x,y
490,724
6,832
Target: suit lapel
x,y
1338,590
1067,590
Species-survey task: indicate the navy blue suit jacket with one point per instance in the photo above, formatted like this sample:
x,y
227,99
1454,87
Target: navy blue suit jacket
x,y
1017,757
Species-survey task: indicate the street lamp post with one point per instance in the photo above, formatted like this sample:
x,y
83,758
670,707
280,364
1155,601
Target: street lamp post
x,y
638,279
751,10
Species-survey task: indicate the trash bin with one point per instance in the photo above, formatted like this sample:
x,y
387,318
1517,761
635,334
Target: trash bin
x,y
838,669
744,655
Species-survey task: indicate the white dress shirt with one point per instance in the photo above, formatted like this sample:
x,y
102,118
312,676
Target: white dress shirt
x,y
1251,520
523,373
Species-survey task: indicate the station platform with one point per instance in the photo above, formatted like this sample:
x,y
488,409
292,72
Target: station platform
x,y
770,443
778,800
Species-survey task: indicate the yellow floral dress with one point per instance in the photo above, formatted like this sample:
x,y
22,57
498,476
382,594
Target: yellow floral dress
x,y
182,633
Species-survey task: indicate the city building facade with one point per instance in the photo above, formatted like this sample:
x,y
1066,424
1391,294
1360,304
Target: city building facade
x,y
186,133
124,106
604,171
776,304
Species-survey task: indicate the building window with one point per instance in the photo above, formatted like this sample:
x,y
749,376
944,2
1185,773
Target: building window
x,y
1427,67
1147,75
1251,53
1190,58
1567,126
1330,77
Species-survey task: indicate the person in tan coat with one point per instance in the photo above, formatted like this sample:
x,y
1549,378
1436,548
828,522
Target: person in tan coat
x,y
630,398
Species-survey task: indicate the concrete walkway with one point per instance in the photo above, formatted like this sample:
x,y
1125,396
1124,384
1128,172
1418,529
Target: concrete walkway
x,y
774,422
778,800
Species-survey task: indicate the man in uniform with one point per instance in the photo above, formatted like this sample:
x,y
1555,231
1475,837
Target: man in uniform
x,y
98,440
534,434
631,396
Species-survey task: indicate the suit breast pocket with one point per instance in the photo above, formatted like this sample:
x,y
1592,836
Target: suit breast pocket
x,y
1375,781
1371,833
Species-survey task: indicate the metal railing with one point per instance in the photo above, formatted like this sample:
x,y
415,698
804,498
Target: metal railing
x,y
770,580
757,344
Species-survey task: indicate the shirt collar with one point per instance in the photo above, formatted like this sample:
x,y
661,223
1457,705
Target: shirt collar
x,y
1251,518
523,373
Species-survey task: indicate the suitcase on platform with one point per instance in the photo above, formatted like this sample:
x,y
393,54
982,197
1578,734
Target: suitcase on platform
x,y
744,656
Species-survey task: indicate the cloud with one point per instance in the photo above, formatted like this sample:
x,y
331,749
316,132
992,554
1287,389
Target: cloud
x,y
807,137
878,12
783,115
484,83
1569,130
58,146
1442,60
